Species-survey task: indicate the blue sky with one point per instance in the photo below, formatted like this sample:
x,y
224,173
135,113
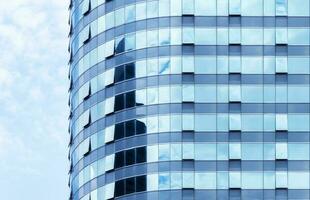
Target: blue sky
x,y
33,99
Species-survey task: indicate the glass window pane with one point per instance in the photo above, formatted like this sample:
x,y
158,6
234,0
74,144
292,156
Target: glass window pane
x,y
130,13
188,64
298,151
252,8
188,151
164,8
119,17
109,22
141,68
281,65
188,93
234,64
152,124
298,180
281,35
130,42
164,37
176,94
175,7
252,151
298,8
152,38
252,123
109,48
140,11
109,162
109,134
141,42
152,96
234,151
222,94
205,180
222,180
269,65
187,122
176,65
234,93
188,7
252,180
176,122
298,122
253,36
176,36
176,152
109,190
176,181
222,151
235,122
234,7
201,39
234,179
269,180
281,7
298,65
163,181
252,65
281,150
163,152
141,97
205,151
205,65
188,35
109,105
269,8
252,94
152,182
269,151
281,122
298,36
152,9
164,66
281,179
188,180
164,96
152,153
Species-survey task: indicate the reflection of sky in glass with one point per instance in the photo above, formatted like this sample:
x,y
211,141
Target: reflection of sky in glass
x,y
163,181
281,7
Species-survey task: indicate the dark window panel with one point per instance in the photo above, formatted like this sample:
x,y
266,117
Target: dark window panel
x,y
119,45
119,188
119,102
141,154
140,183
130,185
130,157
130,128
140,127
130,71
119,74
130,99
119,131
119,160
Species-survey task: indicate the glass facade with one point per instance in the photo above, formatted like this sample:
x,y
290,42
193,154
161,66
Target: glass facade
x,y
189,99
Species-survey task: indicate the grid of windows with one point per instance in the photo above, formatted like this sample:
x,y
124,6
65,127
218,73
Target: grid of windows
x,y
192,99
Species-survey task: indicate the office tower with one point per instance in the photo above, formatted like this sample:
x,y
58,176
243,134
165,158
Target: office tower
x,y
189,99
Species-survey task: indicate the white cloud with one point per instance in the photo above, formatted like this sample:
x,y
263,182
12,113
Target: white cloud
x,y
33,98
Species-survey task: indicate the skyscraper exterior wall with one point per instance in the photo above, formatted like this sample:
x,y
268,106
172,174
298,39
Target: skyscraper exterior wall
x,y
189,99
